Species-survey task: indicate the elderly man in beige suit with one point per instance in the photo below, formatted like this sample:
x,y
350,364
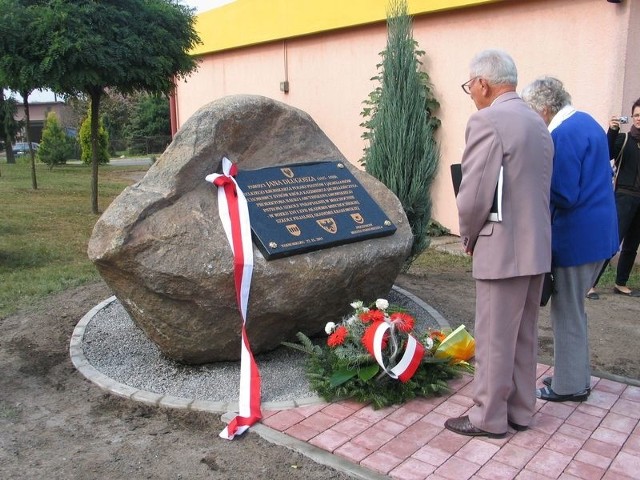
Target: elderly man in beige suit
x,y
511,251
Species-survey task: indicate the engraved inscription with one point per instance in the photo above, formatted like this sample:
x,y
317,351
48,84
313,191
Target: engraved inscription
x,y
289,200
305,207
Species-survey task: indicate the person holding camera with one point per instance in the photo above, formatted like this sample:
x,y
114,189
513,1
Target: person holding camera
x,y
624,149
584,231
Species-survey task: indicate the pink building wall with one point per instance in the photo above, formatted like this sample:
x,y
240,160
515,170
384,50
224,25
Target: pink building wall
x,y
588,44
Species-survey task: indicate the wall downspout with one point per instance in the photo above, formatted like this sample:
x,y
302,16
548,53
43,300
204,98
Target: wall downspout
x,y
173,112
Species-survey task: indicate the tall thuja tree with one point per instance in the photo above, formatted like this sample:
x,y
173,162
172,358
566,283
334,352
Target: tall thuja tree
x,y
86,148
125,45
400,126
53,146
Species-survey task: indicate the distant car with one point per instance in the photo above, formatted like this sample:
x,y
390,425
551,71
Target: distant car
x,y
22,148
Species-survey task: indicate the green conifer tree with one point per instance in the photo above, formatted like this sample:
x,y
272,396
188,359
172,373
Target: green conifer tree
x,y
85,142
53,146
400,126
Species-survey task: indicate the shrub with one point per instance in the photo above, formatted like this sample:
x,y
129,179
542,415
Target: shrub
x,y
54,145
85,142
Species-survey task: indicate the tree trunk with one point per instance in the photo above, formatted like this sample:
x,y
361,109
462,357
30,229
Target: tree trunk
x,y
11,158
25,99
95,145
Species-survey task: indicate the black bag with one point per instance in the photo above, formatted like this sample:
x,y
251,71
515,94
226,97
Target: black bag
x,y
548,289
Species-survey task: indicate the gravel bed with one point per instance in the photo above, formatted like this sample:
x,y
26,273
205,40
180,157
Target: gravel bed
x,y
116,347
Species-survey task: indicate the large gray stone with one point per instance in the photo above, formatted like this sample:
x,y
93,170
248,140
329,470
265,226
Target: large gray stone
x,y
161,248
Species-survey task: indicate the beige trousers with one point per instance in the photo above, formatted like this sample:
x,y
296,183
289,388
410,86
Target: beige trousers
x,y
506,333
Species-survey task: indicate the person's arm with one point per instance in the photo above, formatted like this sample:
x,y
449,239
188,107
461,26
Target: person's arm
x,y
481,164
615,139
567,168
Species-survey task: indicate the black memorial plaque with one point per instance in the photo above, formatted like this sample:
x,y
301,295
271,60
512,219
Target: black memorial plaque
x,y
305,207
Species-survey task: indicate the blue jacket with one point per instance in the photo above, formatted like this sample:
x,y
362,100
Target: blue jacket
x,y
584,224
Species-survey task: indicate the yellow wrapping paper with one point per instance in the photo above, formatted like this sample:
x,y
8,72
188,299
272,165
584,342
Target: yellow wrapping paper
x,y
459,345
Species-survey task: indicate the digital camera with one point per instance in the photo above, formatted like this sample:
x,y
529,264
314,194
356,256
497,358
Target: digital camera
x,y
623,119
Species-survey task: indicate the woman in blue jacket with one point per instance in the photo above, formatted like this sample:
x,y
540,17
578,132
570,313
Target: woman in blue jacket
x,y
584,231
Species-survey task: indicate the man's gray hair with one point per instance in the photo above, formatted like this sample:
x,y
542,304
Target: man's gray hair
x,y
546,92
495,66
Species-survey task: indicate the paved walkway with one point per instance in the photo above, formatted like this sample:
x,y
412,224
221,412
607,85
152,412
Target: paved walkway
x,y
596,439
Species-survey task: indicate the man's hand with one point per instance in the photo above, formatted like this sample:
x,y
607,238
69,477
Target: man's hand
x,y
468,249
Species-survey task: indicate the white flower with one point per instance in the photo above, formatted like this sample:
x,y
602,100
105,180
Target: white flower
x,y
329,328
428,343
357,304
382,304
351,320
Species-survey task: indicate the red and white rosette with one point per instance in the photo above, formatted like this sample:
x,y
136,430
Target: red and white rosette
x,y
234,214
411,358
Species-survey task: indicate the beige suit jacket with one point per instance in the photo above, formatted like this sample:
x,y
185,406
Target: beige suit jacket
x,y
508,134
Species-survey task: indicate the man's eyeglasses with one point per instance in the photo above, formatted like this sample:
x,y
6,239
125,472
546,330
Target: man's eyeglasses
x,y
466,86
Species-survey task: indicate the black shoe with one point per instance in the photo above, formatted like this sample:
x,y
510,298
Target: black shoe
x,y
517,427
463,426
547,381
549,395
632,293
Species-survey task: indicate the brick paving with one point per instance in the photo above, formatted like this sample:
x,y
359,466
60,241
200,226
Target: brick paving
x,y
592,440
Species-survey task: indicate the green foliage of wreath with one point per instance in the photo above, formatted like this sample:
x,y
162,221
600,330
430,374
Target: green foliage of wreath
x,y
336,374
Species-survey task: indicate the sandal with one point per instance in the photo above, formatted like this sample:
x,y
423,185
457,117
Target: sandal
x,y
593,296
549,395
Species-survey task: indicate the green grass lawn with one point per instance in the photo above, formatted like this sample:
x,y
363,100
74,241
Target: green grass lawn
x,y
44,233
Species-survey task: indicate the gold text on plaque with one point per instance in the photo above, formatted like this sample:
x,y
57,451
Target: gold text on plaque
x,y
357,218
294,230
287,172
328,224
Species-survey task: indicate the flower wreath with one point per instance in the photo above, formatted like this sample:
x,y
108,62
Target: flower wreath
x,y
374,355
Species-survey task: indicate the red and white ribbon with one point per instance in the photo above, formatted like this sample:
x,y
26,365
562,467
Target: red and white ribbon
x,y
234,214
411,357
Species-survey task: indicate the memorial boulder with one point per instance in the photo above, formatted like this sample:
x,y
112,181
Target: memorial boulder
x,y
161,248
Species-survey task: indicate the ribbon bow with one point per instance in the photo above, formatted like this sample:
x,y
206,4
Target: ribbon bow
x,y
227,178
411,358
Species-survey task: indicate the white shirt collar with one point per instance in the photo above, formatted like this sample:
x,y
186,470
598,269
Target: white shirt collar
x,y
561,116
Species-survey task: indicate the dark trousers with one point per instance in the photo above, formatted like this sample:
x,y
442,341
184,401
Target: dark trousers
x,y
628,208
